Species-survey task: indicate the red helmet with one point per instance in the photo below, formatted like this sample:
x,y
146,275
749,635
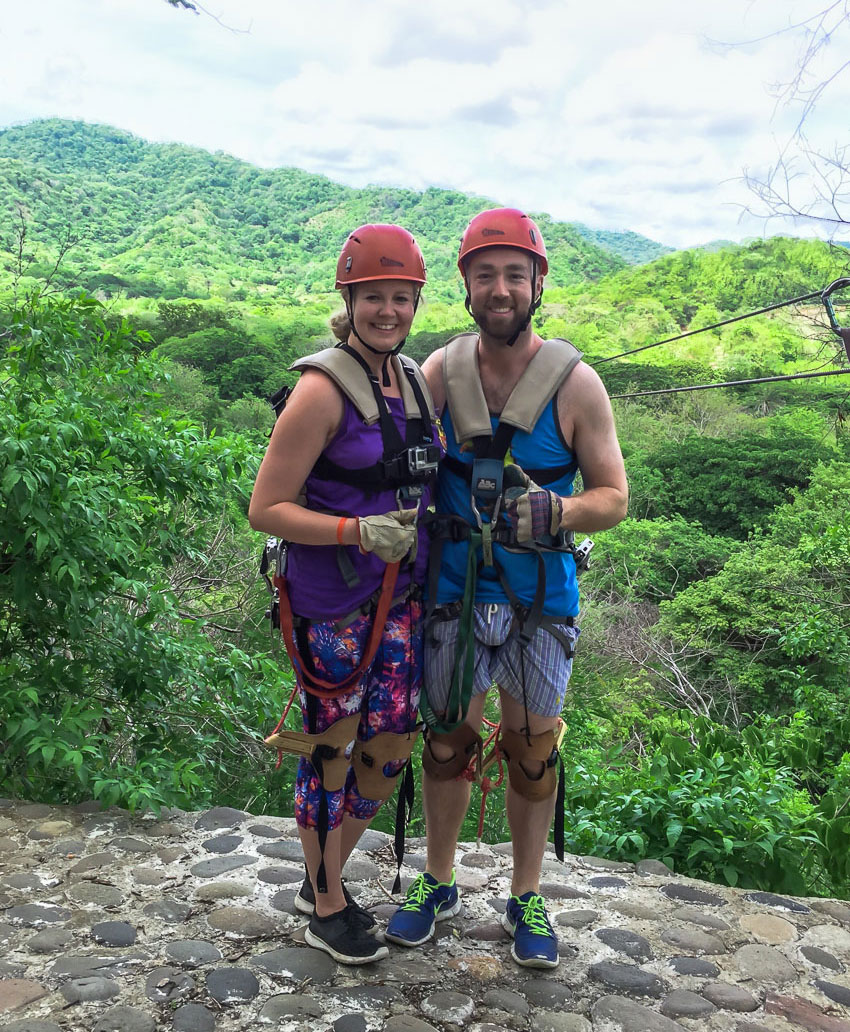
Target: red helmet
x,y
503,227
379,252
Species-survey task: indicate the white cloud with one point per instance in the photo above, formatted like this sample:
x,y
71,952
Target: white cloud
x,y
627,117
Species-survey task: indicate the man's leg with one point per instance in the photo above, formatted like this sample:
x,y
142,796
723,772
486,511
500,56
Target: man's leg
x,y
445,803
529,820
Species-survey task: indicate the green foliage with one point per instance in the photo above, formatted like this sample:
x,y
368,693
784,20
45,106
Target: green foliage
x,y
117,681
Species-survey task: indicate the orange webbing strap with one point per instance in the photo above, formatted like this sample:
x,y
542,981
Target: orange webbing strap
x,y
312,683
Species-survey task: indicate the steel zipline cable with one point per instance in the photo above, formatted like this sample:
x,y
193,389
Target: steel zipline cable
x,y
823,295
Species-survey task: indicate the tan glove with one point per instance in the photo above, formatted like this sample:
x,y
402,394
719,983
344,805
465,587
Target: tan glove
x,y
391,536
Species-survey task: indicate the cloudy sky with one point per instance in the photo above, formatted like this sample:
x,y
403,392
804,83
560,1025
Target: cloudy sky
x,y
619,114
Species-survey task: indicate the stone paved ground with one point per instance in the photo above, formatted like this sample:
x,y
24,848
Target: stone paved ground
x,y
115,923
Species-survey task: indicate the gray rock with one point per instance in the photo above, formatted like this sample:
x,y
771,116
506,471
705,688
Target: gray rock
x,y
297,964
31,1025
682,1003
220,817
485,931
506,1000
128,844
88,990
629,1016
283,874
479,860
607,883
192,953
293,1005
224,890
727,996
100,895
367,997
350,1023
361,868
627,978
35,811
692,915
764,964
547,994
168,910
284,901
241,921
167,984
93,862
264,831
223,843
51,940
192,1017
558,890
837,993
770,899
286,849
648,868
10,969
114,933
455,1008
221,865
407,1023
125,1019
232,985
601,863
553,1021
33,915
815,955
23,881
576,918
621,940
372,840
499,905
689,894
693,940
92,964
148,876
840,912
694,966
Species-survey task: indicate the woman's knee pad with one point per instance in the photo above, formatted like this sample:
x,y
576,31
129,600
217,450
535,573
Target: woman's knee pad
x,y
369,759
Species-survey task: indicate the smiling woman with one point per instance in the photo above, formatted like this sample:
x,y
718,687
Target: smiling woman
x,y
348,471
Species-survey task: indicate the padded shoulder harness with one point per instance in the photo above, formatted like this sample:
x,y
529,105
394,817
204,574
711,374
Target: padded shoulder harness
x,y
550,366
347,374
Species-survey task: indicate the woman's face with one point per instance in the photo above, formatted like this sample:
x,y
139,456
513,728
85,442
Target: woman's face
x,y
383,311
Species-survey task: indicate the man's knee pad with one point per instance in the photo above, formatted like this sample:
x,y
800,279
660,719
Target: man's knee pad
x,y
326,751
369,758
518,748
466,743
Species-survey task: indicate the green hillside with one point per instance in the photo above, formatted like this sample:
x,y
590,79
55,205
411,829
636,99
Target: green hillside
x,y
170,221
631,247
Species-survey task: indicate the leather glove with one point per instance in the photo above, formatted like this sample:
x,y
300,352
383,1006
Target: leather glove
x,y
532,511
391,536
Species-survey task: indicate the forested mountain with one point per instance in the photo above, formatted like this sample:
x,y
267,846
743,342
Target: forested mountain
x,y
709,707
632,247
167,221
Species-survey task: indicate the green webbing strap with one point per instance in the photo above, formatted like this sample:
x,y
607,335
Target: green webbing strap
x,y
460,692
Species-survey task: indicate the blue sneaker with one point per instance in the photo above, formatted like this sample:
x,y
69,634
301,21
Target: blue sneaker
x,y
535,944
427,902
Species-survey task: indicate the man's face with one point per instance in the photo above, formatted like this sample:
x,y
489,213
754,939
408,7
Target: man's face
x,y
501,289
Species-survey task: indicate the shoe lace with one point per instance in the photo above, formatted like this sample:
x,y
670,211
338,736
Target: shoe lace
x,y
418,892
534,915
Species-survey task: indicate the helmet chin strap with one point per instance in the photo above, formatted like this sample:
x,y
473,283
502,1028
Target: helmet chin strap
x,y
532,308
385,373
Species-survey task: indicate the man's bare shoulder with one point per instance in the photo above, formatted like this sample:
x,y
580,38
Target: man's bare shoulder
x,y
432,370
582,383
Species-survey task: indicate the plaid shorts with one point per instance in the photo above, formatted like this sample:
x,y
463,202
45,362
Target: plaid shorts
x,y
543,666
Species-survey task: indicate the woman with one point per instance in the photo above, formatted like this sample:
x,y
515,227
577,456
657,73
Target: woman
x,y
348,469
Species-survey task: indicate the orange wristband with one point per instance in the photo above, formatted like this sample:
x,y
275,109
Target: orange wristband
x,y
340,527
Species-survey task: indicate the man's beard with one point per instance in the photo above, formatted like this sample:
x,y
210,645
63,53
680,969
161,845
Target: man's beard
x,y
497,327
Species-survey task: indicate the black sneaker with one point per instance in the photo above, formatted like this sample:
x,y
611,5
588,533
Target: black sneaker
x,y
305,901
341,937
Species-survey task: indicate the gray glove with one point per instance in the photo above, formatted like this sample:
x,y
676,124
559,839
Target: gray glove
x,y
391,536
533,511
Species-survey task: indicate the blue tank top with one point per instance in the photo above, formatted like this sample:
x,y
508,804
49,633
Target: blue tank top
x,y
543,448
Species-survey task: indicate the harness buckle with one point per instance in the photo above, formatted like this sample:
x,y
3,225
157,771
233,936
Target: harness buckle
x,y
486,487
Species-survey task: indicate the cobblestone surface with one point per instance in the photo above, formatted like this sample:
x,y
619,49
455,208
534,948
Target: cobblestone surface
x,y
117,923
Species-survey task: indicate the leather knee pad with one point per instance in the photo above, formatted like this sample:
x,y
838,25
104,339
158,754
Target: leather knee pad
x,y
326,751
466,743
369,758
518,748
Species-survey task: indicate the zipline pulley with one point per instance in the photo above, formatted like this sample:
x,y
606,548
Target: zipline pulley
x,y
842,331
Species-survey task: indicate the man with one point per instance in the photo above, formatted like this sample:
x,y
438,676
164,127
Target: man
x,y
502,391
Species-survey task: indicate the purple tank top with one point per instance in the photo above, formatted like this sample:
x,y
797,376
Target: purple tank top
x,y
317,588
